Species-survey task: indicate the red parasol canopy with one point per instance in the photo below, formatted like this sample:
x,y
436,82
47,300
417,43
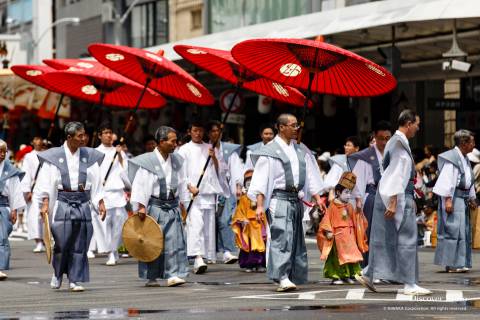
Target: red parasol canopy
x,y
104,87
64,64
153,70
35,74
331,70
223,65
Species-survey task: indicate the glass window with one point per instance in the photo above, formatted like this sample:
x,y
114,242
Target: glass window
x,y
20,11
149,24
230,14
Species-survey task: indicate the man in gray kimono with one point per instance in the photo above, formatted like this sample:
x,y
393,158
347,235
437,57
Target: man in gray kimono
x,y
69,184
158,181
456,189
280,180
11,200
393,238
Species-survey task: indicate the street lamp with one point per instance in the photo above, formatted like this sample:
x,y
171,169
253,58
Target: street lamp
x,y
33,45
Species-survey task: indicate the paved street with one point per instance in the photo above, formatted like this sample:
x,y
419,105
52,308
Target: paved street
x,y
227,293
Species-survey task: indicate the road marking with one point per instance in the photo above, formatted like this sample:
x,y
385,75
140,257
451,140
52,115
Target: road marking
x,y
454,295
364,296
355,294
306,296
403,297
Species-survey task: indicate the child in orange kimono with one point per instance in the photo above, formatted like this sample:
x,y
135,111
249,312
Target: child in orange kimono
x,y
341,236
250,234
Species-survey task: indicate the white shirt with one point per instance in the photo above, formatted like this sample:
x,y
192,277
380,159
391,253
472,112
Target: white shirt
x,y
213,183
449,178
145,184
364,173
234,170
117,179
332,178
13,191
29,166
269,175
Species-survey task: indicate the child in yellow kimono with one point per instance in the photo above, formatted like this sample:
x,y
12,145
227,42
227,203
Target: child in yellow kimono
x,y
250,234
341,236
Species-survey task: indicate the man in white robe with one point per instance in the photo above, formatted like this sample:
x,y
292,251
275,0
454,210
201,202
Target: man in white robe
x,y
393,239
200,224
114,191
456,188
69,184
280,180
229,153
11,200
30,166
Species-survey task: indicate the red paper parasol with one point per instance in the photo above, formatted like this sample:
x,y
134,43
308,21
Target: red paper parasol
x,y
223,65
104,87
64,64
314,66
152,70
34,74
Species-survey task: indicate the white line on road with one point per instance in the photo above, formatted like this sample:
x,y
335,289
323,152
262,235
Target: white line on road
x,y
403,297
306,296
454,295
355,294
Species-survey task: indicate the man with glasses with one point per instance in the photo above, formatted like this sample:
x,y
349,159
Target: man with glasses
x,y
456,189
366,165
281,178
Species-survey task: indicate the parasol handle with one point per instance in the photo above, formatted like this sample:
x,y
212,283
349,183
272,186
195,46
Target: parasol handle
x,y
36,176
224,120
128,127
55,117
308,97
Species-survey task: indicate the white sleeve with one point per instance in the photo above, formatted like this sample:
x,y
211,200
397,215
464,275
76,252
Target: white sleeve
x,y
142,188
260,179
332,178
183,192
96,184
27,180
15,196
236,169
248,161
364,174
447,181
313,180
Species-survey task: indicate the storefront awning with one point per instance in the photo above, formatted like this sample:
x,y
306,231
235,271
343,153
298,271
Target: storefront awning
x,y
358,17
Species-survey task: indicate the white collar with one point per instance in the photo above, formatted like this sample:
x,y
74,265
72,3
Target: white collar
x,y
68,153
160,157
282,142
402,136
460,153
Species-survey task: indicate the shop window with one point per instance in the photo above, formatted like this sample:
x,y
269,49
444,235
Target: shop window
x,y
196,19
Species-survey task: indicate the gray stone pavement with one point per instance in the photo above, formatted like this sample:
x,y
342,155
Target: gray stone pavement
x,y
225,292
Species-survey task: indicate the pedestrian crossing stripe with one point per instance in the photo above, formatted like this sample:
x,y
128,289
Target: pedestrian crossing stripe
x,y
365,295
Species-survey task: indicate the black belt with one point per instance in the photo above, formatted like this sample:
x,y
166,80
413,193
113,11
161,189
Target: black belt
x,y
73,196
163,203
4,201
285,195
